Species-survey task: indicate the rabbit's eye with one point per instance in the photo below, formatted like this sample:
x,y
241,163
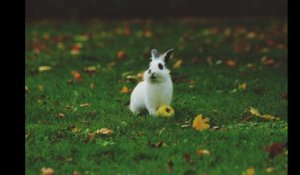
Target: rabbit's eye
x,y
160,66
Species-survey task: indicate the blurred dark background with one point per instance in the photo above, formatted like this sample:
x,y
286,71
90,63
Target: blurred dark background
x,y
109,9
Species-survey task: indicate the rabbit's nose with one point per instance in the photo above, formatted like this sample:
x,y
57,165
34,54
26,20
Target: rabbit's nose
x,y
149,71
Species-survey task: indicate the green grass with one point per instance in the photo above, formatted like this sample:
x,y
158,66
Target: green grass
x,y
235,147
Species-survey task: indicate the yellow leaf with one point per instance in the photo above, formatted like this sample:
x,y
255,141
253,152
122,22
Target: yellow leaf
x,y
250,171
178,64
165,111
84,105
201,152
269,169
124,90
268,117
254,111
104,131
75,129
47,171
44,68
200,124
243,86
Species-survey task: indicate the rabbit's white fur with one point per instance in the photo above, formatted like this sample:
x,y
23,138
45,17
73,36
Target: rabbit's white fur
x,y
156,89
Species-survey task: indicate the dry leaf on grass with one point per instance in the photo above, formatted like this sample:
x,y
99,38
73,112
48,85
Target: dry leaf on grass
x,y
104,131
47,171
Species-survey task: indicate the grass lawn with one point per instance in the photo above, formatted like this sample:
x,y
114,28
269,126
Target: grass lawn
x,y
220,68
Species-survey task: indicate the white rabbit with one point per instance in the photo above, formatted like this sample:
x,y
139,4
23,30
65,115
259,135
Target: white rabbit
x,y
156,89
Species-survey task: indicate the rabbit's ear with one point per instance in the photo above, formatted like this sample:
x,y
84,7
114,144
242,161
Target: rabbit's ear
x,y
154,54
166,55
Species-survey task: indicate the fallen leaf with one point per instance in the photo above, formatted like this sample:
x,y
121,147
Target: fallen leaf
x,y
268,117
284,95
243,86
46,36
60,115
251,35
200,124
47,171
75,49
202,152
76,173
230,63
75,129
121,54
156,145
248,117
254,111
274,149
91,136
148,33
188,158
27,89
209,60
124,90
68,107
186,124
90,70
267,61
44,68
178,64
127,31
104,131
170,165
41,87
84,105
219,62
250,171
269,169
76,75
92,85
81,38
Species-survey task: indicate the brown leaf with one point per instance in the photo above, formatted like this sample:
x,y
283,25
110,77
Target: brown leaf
x,y
170,166
121,54
104,131
60,115
124,90
76,173
47,171
156,145
75,49
274,149
267,61
230,63
76,75
248,117
188,158
148,33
